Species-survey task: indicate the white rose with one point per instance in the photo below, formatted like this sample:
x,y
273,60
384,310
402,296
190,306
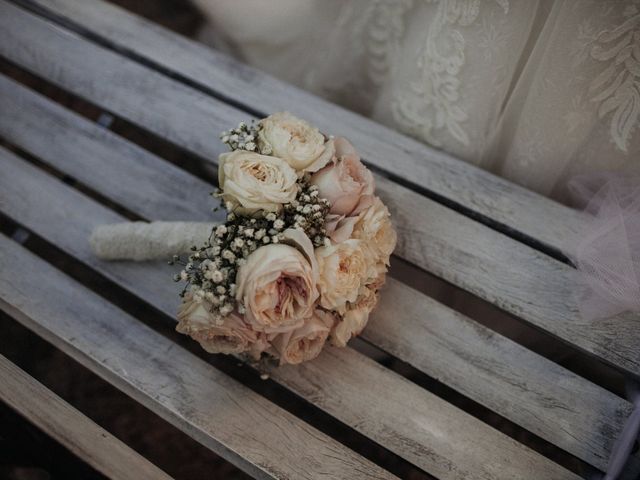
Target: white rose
x,y
343,268
277,285
256,182
233,335
306,342
374,226
302,146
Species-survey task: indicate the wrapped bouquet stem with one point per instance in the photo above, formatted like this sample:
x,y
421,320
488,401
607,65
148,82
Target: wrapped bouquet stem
x,y
300,258
147,241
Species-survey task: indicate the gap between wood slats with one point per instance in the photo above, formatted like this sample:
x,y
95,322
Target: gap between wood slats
x,y
539,341
171,152
150,435
448,202
71,428
28,453
244,373
66,262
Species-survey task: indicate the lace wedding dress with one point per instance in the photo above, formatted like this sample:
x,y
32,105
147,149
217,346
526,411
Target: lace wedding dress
x,y
535,91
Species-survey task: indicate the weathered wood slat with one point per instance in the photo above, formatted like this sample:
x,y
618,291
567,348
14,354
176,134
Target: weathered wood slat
x,y
101,159
549,222
186,391
71,428
533,392
65,217
516,278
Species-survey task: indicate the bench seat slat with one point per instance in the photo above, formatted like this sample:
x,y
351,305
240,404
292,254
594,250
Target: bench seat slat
x,y
90,442
481,364
65,217
497,268
186,391
520,209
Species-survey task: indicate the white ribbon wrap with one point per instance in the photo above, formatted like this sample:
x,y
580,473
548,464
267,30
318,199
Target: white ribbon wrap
x,y
147,241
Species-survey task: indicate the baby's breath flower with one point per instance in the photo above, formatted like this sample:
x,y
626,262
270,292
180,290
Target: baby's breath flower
x,y
210,271
217,276
241,138
198,295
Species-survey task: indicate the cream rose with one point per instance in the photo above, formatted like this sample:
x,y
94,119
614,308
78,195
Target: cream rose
x,y
277,285
357,315
256,182
299,144
345,182
339,228
343,268
230,335
374,226
306,342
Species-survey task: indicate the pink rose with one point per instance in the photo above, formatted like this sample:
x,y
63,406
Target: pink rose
x,y
357,315
306,342
228,335
375,228
345,182
278,284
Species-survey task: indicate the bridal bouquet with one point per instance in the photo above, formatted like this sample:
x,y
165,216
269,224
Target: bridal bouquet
x,y
302,254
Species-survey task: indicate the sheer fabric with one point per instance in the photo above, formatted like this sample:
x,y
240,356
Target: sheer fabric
x,y
535,91
608,253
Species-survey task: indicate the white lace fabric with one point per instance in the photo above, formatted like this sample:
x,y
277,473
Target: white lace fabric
x,y
535,91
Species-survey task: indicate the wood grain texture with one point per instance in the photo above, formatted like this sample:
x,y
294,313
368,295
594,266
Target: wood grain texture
x,y
71,428
522,210
205,403
528,389
466,253
498,373
64,217
163,106
101,159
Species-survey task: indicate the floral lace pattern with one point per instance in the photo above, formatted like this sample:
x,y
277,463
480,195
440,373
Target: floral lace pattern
x,y
534,91
384,33
430,105
617,88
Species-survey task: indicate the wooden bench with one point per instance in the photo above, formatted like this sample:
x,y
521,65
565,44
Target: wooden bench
x,y
492,239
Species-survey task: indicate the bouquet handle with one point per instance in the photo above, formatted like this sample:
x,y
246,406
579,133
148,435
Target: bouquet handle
x,y
142,241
